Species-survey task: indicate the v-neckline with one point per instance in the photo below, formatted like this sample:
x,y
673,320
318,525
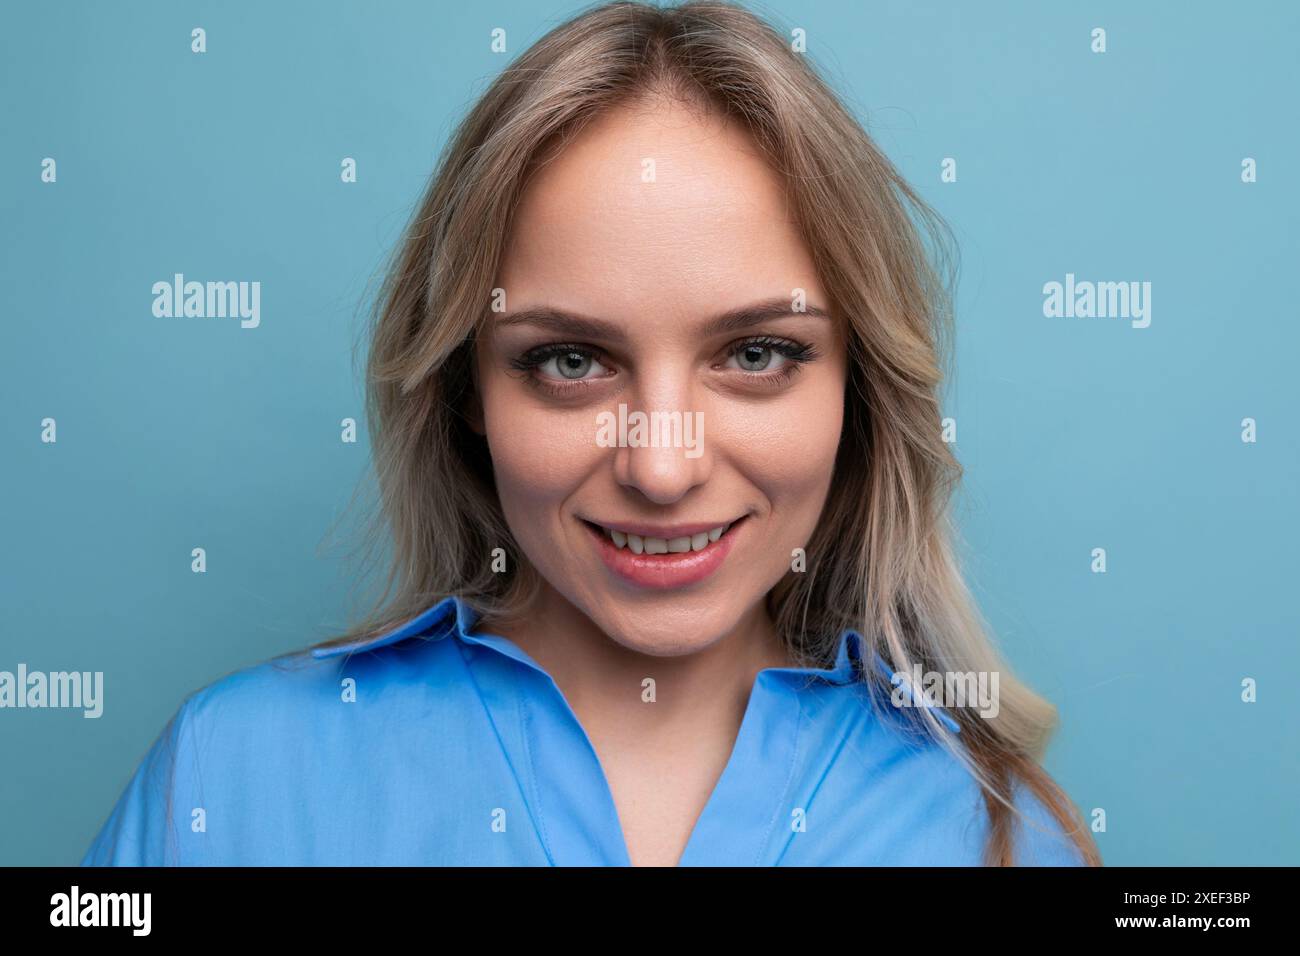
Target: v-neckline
x,y
581,803
736,815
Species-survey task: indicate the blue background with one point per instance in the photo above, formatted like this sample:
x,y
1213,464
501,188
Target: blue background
x,y
1075,433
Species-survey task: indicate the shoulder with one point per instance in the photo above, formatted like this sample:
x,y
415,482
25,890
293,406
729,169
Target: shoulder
x,y
416,656
300,700
244,751
898,796
1040,839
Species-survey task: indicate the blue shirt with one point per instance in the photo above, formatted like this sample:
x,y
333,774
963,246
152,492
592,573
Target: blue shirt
x,y
459,749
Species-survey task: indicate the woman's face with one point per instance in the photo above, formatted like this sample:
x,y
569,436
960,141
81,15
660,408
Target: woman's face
x,y
654,277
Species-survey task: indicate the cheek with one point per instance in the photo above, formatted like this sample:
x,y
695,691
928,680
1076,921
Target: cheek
x,y
539,457
787,448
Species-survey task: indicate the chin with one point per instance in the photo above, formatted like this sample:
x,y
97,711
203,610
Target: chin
x,y
667,626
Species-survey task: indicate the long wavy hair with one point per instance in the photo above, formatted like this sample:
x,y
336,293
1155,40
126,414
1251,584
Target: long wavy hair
x,y
882,559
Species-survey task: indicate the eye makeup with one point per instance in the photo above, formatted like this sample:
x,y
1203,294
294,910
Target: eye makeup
x,y
566,358
759,350
562,368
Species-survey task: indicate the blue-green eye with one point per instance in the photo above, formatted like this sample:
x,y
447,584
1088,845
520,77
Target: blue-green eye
x,y
768,354
570,365
755,358
561,363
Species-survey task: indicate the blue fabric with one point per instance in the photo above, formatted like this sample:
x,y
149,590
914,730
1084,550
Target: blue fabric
x,y
459,749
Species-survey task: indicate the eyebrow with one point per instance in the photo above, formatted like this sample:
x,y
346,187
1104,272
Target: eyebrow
x,y
584,326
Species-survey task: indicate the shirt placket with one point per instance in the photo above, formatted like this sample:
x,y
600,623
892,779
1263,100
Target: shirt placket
x,y
568,797
749,804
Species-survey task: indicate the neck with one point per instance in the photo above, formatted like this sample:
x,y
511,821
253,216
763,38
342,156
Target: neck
x,y
697,696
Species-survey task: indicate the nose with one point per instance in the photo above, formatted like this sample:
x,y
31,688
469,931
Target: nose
x,y
668,454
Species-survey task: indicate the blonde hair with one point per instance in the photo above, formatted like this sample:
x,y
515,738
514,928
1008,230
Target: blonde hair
x,y
882,560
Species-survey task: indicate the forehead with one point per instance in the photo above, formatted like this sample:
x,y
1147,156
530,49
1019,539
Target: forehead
x,y
654,207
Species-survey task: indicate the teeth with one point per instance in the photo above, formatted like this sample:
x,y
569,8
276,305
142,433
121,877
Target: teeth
x,y
641,545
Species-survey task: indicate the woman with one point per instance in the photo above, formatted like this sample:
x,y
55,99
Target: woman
x,y
653,391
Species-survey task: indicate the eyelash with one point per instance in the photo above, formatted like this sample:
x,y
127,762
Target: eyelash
x,y
796,354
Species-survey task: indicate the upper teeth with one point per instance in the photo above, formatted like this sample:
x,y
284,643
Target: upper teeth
x,y
642,545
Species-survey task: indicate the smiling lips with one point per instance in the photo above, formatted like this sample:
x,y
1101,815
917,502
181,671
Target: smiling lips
x,y
675,557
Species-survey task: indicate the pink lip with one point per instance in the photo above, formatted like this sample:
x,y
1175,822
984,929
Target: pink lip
x,y
664,571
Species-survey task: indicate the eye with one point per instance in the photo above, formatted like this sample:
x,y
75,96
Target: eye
x,y
570,365
769,356
559,367
757,358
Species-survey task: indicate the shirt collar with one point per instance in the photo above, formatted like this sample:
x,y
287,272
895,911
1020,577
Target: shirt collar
x,y
452,615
